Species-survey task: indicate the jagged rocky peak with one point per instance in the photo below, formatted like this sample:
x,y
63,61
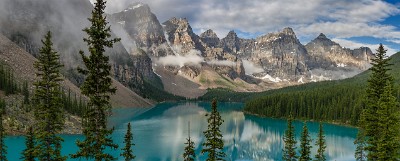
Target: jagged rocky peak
x,y
324,41
140,24
210,38
231,35
209,34
231,43
287,35
288,31
180,33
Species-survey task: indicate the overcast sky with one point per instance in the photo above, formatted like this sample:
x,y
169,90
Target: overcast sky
x,y
352,23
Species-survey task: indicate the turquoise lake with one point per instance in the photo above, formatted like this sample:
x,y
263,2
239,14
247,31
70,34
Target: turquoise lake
x,y
160,132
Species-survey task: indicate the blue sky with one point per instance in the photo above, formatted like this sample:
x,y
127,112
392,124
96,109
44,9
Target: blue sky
x,y
351,23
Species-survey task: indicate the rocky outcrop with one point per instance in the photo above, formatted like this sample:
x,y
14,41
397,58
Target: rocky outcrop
x,y
280,54
326,54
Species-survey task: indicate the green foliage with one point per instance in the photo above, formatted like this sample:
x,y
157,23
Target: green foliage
x,y
127,150
153,92
189,154
8,83
321,144
375,89
71,104
214,144
97,87
28,154
3,147
360,143
305,144
388,115
47,103
289,152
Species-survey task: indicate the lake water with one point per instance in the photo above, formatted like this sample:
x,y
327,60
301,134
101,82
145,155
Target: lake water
x,y
160,132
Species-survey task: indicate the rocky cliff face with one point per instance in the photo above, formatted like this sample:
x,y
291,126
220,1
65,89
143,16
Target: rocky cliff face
x,y
181,35
326,54
280,54
141,24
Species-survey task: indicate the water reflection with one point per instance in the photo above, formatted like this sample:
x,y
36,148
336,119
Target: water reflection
x,y
160,133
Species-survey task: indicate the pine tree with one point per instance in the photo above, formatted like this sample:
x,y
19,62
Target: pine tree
x,y
388,146
29,153
189,154
305,147
214,144
3,147
321,145
289,152
97,87
376,83
48,112
127,150
360,142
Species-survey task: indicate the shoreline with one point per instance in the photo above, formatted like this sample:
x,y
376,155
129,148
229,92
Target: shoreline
x,y
296,119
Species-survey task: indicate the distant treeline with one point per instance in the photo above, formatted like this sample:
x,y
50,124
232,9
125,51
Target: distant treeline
x,y
333,101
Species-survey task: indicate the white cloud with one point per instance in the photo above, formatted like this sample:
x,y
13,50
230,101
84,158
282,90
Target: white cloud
x,y
250,68
341,18
354,45
222,63
191,58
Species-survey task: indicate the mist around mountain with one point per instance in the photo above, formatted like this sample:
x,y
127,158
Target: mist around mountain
x,y
168,61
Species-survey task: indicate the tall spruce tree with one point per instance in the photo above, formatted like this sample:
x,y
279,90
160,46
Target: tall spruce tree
x,y
189,154
97,87
48,108
375,89
127,150
28,154
388,147
360,143
3,147
321,144
305,144
289,152
214,144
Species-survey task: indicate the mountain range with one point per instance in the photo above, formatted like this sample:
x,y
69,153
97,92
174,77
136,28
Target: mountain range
x,y
166,60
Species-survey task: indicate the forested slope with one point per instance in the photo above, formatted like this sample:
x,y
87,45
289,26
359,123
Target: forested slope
x,y
334,101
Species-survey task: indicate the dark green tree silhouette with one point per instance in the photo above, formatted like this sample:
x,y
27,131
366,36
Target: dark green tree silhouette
x,y
214,144
375,89
321,144
289,152
360,143
3,147
388,146
305,144
47,101
28,154
97,87
127,150
189,154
